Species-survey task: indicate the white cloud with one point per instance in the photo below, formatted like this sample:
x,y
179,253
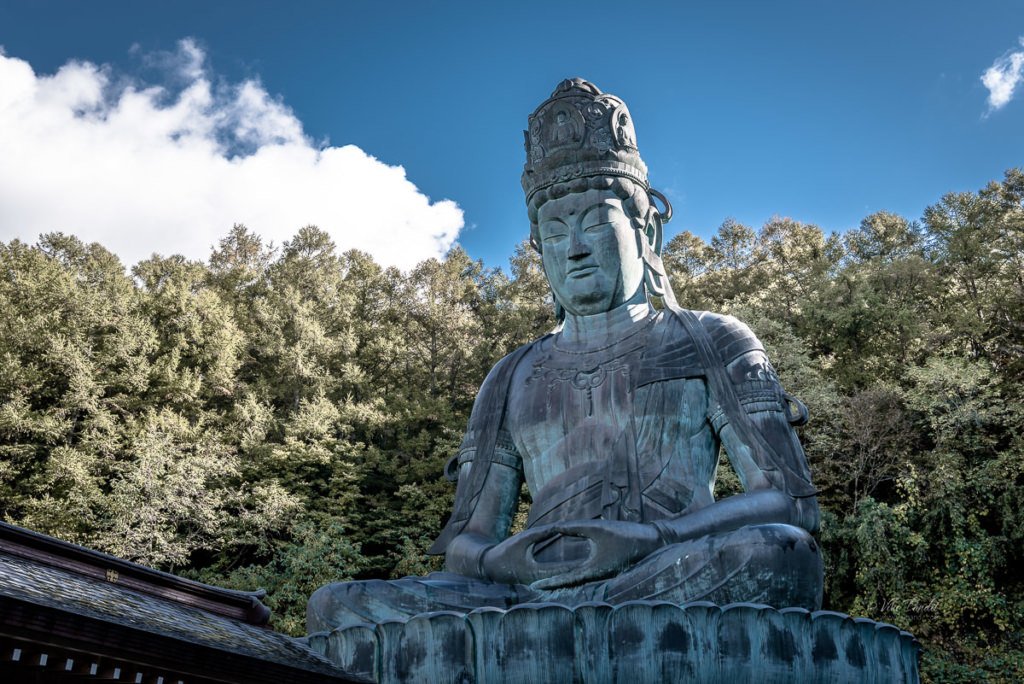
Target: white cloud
x,y
146,168
1003,77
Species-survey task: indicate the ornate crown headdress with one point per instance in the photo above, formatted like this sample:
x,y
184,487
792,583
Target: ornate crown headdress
x,y
580,132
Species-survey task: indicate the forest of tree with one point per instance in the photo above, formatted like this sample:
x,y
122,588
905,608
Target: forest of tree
x,y
280,417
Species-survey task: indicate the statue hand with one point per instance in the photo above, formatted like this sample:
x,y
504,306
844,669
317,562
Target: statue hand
x,y
614,546
512,561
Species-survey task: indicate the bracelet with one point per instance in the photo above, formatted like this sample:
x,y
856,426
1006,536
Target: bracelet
x,y
663,532
480,562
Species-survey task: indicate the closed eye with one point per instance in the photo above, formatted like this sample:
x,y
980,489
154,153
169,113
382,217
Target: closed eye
x,y
596,227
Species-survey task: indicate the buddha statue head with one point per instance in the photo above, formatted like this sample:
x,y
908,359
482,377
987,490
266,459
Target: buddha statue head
x,y
593,215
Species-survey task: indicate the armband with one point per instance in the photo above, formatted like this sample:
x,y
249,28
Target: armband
x,y
504,453
664,534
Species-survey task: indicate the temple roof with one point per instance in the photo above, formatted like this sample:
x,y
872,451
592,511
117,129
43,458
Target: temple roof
x,y
109,603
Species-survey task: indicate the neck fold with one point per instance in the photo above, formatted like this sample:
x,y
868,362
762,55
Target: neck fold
x,y
604,328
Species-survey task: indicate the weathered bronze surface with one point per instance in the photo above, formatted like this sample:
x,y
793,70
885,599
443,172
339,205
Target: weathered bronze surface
x,y
614,421
639,642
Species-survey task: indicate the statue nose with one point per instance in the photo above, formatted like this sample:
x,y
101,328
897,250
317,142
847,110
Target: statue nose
x,y
577,248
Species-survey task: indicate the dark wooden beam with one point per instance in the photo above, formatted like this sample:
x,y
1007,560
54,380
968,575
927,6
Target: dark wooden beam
x,y
124,652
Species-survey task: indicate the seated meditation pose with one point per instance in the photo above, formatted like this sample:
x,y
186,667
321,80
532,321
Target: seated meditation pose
x,y
614,421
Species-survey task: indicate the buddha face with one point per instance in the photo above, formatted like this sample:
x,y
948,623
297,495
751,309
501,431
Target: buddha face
x,y
591,256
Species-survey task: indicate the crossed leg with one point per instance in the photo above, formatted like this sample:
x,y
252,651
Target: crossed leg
x,y
778,565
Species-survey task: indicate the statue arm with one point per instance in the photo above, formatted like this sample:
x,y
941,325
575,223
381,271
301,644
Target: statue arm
x,y
489,474
775,486
492,511
769,409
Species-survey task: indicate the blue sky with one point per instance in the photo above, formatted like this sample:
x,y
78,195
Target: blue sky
x,y
821,111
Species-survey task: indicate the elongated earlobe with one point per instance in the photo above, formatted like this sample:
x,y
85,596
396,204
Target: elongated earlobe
x,y
650,239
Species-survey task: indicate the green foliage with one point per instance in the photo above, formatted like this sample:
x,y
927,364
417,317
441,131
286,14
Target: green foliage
x,y
318,551
905,340
276,417
280,417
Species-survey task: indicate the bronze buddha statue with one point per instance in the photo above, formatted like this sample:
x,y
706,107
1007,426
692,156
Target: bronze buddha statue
x,y
614,421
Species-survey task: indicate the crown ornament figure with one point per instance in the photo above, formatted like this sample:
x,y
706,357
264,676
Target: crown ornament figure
x,y
580,132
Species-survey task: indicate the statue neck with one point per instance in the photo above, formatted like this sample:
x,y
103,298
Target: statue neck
x,y
602,329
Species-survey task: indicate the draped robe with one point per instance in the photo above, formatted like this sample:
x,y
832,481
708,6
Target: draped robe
x,y
611,418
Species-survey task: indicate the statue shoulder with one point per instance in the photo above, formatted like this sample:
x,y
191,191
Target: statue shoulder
x,y
723,341
490,399
730,336
501,372
695,341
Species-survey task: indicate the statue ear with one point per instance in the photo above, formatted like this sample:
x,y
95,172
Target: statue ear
x,y
652,226
649,230
650,239
655,278
655,230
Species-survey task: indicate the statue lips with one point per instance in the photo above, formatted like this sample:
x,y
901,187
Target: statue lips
x,y
581,271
